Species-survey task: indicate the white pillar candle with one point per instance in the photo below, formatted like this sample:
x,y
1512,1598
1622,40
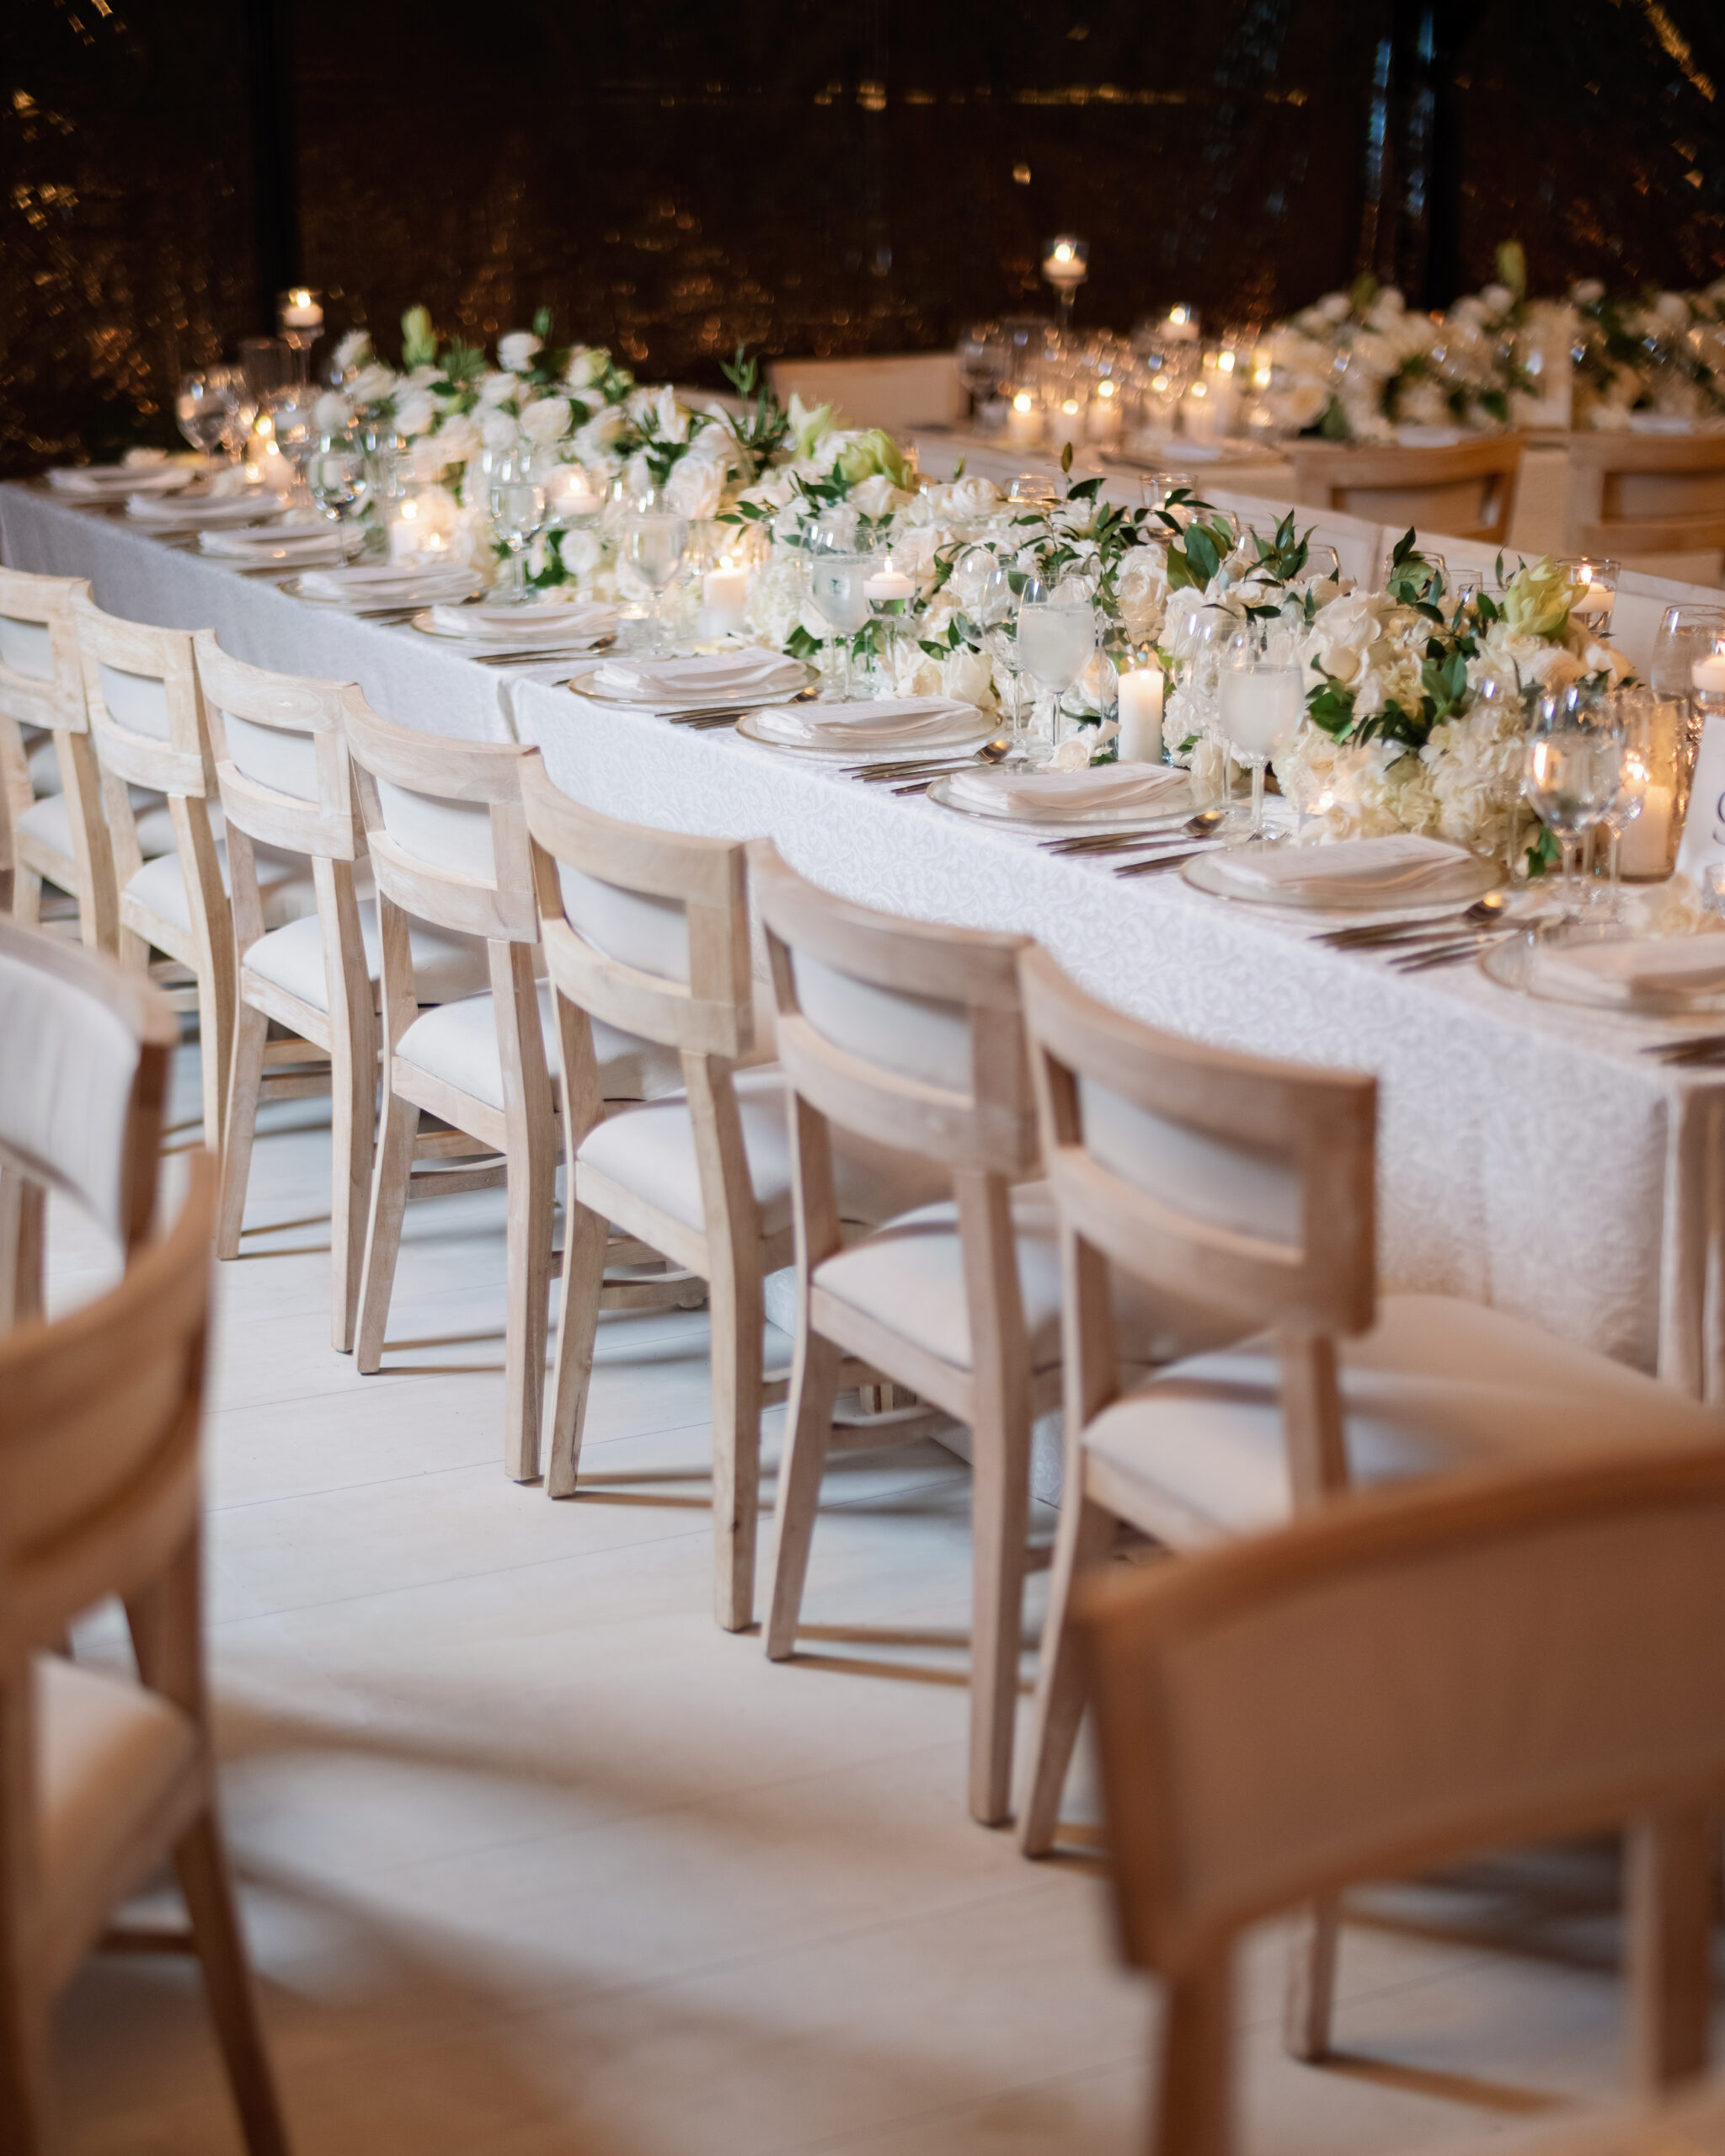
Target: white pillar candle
x,y
1140,714
725,597
406,535
1024,420
888,584
1065,424
574,494
302,311
1708,675
1594,601
1105,413
1197,413
1641,850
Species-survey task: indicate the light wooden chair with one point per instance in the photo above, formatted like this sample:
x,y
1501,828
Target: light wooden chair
x,y
58,836
448,842
85,1046
281,764
649,932
1404,1680
100,1777
1466,489
910,1035
1632,494
1248,1185
147,715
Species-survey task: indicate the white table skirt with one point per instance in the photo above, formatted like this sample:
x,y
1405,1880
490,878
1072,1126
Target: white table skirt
x,y
1529,1157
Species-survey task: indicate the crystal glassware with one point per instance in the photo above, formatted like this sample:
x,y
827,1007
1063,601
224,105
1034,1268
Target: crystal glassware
x,y
295,430
1260,702
1685,634
655,540
335,474
516,498
1056,636
1572,770
1633,710
201,407
838,571
239,408
1597,576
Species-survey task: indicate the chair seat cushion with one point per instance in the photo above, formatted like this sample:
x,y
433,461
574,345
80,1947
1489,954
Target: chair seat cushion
x,y
49,820
446,965
283,879
107,1754
909,1274
651,1151
457,1043
1437,1385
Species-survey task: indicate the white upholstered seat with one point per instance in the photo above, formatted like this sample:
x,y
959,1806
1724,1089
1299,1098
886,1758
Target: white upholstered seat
x,y
1436,1387
287,889
457,1043
650,1151
108,1752
48,819
445,966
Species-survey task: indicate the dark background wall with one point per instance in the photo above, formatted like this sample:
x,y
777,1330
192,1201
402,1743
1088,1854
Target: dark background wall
x,y
806,175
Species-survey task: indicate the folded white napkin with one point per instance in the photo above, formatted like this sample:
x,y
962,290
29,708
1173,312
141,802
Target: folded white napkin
x,y
1685,965
879,724
1118,789
714,677
177,513
380,583
573,623
273,543
111,482
1660,423
1365,869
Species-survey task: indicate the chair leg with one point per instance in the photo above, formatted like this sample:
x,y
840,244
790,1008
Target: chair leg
x,y
245,1081
1192,2114
389,1199
1310,2005
202,1870
585,1235
28,2114
1000,1524
23,1248
26,898
353,1145
1673,1860
533,1198
1086,1531
814,1384
734,1298
215,1052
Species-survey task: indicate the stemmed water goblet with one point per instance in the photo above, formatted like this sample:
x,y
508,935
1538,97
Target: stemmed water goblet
x,y
517,505
239,408
290,418
1056,636
1634,713
984,591
337,476
1572,770
838,570
655,541
203,407
1260,702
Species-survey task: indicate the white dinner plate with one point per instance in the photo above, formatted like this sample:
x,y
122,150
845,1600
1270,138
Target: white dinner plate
x,y
501,640
1176,806
1519,962
1469,880
581,685
375,603
959,736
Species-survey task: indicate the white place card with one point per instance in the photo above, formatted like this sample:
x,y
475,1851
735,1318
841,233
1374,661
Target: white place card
x,y
1703,828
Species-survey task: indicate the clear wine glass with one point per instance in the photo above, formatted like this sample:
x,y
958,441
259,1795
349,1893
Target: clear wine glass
x,y
336,474
201,408
837,572
517,503
296,435
1685,634
1260,702
239,408
1634,710
654,543
1572,774
1056,636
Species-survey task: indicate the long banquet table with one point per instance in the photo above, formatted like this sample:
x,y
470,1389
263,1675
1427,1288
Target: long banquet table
x,y
1529,1157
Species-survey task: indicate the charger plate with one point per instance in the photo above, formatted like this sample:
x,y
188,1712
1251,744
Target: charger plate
x,y
959,736
1468,880
1521,962
1179,807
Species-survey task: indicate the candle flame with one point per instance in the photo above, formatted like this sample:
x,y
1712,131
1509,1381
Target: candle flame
x,y
1104,389
1180,314
300,297
1224,362
1021,403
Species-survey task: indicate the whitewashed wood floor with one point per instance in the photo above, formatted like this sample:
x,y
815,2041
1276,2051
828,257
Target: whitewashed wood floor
x,y
537,1859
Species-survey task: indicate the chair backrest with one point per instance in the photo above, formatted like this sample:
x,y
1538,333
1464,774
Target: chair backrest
x,y
444,825
98,1444
1405,1678
1226,1182
906,1033
1359,543
646,930
888,389
41,683
281,760
1466,489
1632,494
146,707
84,1050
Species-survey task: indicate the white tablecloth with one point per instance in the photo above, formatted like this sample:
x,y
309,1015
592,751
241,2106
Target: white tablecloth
x,y
1529,1157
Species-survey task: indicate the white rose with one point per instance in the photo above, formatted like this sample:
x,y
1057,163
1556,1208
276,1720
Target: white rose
x,y
582,550
641,403
1142,592
673,421
498,429
967,677
496,389
1588,292
971,499
586,366
915,547
876,496
1498,298
351,351
332,415
1343,634
458,439
696,487
594,438
1333,306
371,385
545,421
515,353
415,412
1672,308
